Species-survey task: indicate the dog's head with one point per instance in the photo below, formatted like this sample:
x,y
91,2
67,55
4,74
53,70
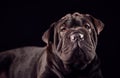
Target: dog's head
x,y
74,38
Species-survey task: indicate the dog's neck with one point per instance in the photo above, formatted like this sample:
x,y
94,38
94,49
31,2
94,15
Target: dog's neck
x,y
56,66
62,69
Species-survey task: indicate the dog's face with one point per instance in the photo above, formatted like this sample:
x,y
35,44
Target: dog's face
x,y
74,38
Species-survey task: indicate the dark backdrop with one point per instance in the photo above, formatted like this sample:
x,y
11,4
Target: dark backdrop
x,y
22,23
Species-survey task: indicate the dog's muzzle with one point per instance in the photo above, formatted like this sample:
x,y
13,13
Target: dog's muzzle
x,y
75,36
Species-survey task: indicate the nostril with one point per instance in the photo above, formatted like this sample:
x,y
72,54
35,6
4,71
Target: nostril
x,y
81,35
72,37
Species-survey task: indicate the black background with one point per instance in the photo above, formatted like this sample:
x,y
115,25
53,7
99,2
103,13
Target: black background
x,y
22,23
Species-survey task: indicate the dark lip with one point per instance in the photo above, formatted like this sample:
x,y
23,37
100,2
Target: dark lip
x,y
78,43
80,53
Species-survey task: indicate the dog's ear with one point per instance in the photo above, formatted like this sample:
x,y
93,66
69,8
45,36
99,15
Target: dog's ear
x,y
48,36
97,23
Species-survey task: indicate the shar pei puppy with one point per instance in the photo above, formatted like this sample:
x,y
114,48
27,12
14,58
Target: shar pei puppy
x,y
70,52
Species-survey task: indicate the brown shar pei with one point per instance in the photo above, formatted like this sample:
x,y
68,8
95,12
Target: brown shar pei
x,y
69,53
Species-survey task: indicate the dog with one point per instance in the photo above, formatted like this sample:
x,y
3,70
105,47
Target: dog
x,y
70,52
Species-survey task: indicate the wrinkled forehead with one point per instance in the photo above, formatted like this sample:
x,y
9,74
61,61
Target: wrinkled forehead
x,y
73,20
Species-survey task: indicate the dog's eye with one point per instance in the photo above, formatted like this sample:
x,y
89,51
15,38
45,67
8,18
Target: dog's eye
x,y
63,28
87,26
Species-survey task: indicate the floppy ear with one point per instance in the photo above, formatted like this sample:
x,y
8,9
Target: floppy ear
x,y
48,36
97,23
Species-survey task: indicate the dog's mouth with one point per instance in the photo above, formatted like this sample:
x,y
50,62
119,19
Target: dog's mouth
x,y
77,44
77,57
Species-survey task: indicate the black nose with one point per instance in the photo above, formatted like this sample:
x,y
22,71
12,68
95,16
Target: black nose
x,y
76,36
